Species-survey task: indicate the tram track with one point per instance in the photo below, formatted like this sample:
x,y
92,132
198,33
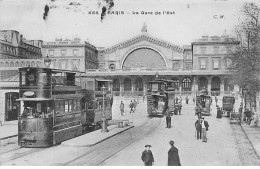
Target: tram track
x,y
97,155
17,153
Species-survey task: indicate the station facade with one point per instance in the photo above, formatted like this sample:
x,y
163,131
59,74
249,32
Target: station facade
x,y
206,62
134,62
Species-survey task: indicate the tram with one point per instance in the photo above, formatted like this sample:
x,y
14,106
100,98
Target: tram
x,y
54,106
204,101
160,97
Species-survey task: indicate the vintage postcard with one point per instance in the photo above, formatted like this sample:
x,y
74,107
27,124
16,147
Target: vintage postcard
x,y
129,83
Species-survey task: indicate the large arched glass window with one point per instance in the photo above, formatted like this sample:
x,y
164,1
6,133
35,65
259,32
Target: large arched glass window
x,y
116,85
215,84
203,83
127,84
186,84
139,84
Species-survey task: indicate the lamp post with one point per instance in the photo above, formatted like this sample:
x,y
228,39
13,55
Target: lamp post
x,y
47,61
156,75
104,123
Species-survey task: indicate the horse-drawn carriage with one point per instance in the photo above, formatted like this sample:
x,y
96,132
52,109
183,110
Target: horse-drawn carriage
x,y
228,109
228,105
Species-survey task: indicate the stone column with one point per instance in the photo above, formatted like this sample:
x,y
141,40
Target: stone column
x,y
121,81
194,85
222,85
209,84
133,85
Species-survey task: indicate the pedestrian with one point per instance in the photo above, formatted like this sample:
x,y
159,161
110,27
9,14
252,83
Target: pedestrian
x,y
147,156
168,115
122,107
205,127
198,110
247,115
111,101
176,100
219,112
143,98
216,100
198,127
173,155
179,108
187,100
131,105
135,104
254,120
193,100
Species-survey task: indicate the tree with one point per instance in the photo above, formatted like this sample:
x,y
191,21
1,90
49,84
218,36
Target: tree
x,y
246,58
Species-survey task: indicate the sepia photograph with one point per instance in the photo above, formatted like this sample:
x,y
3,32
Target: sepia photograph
x,y
130,83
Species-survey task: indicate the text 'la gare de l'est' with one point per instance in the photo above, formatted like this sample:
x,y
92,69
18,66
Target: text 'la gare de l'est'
x,y
134,12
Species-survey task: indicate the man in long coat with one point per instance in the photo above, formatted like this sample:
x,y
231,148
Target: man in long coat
x,y
205,126
173,155
147,156
168,115
219,113
198,128
122,107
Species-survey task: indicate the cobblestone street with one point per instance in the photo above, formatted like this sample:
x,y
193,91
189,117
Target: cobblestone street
x,y
227,145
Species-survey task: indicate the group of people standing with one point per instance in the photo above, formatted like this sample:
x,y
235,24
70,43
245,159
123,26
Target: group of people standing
x,y
132,106
202,127
173,156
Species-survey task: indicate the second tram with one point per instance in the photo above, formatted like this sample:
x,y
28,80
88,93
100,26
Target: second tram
x,y
160,97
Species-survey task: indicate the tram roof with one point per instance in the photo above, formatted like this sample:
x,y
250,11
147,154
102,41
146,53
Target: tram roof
x,y
51,69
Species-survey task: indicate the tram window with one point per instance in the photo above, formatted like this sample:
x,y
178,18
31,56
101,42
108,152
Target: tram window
x,y
71,106
163,87
90,105
42,78
66,106
155,87
57,107
39,108
22,78
79,105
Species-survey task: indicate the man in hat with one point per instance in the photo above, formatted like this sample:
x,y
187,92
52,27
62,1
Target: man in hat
x,y
122,107
173,155
198,128
147,156
168,115
219,112
204,126
179,108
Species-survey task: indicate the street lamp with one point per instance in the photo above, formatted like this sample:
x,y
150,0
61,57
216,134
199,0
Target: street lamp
x,y
47,61
156,75
104,123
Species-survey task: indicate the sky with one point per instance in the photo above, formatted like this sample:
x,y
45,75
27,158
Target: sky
x,y
190,19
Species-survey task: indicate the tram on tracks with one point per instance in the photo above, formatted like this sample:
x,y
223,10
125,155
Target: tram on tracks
x,y
204,100
160,97
56,106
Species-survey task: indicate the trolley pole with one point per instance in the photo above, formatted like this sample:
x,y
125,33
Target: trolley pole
x,y
104,123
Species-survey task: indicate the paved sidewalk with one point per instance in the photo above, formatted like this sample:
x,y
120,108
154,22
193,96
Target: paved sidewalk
x,y
94,137
9,129
253,134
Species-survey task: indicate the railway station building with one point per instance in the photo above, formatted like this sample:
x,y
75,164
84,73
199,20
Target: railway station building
x,y
205,62
134,62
